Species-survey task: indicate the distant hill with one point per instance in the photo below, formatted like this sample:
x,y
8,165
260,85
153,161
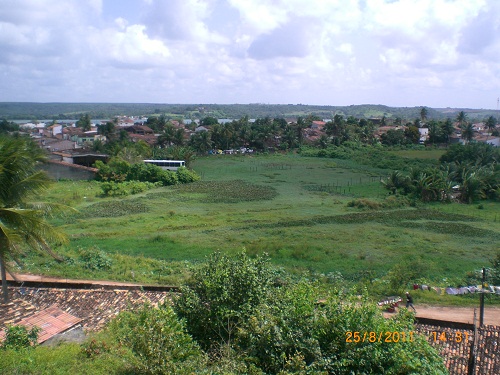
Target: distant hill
x,y
65,111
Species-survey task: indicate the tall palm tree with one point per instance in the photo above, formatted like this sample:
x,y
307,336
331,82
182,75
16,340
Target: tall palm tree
x,y
461,118
22,222
468,132
491,124
423,114
448,129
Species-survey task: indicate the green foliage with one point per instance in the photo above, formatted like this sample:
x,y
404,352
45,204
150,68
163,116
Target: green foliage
x,y
364,204
115,170
95,259
222,294
19,337
159,341
402,275
93,348
367,155
114,209
6,126
68,358
230,191
122,178
293,328
22,222
473,153
494,277
151,173
186,176
115,189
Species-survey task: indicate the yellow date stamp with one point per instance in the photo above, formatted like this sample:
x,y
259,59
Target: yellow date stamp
x,y
372,336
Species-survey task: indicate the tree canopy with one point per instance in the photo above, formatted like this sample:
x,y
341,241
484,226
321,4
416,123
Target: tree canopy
x,y
22,221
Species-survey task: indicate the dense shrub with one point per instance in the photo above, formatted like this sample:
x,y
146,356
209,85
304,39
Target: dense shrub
x,y
151,173
234,305
95,259
115,170
118,171
159,340
472,153
114,208
185,176
221,295
364,203
19,337
116,189
372,156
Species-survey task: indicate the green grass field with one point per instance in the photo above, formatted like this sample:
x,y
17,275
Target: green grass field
x,y
291,207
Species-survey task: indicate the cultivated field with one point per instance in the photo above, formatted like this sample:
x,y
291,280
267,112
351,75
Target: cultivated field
x,y
296,209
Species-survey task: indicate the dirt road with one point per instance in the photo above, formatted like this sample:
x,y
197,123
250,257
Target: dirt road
x,y
459,314
456,314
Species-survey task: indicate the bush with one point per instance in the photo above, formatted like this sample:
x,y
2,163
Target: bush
x,y
95,259
185,176
159,341
115,189
19,337
151,173
364,203
222,294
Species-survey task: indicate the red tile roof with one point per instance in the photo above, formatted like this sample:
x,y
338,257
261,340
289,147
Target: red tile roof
x,y
51,321
95,307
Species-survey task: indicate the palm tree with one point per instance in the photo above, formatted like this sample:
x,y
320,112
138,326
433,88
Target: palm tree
x,y
447,129
461,118
21,221
468,132
491,124
423,114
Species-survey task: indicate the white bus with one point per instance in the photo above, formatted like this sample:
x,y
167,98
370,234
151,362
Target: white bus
x,y
171,165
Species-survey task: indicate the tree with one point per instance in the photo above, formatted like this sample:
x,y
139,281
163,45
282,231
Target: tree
x,y
84,122
221,296
435,134
209,121
393,137
423,114
275,325
159,340
412,134
6,126
21,221
490,123
447,129
461,118
107,129
467,132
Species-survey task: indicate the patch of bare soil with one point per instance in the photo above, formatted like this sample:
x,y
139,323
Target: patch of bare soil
x,y
457,314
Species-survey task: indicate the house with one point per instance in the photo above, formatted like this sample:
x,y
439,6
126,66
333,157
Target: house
x,y
53,130
71,132
139,129
424,135
200,129
318,125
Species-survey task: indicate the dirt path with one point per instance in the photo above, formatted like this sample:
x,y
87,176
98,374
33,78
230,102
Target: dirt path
x,y
457,314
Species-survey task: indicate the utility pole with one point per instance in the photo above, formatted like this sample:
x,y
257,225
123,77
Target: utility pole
x,y
481,306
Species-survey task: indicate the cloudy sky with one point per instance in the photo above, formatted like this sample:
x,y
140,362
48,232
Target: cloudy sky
x,y
436,53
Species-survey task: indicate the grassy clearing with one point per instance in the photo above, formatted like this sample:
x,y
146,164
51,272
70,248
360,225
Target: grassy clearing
x,y
294,208
428,153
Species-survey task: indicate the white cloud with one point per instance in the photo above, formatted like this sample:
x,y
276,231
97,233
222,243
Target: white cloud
x,y
309,51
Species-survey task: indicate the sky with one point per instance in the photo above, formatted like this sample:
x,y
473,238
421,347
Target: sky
x,y
401,53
